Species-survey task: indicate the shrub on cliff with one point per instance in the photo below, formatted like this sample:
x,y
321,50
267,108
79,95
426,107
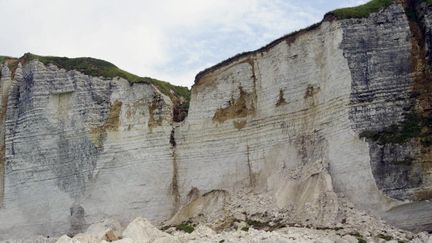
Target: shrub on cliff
x,y
188,228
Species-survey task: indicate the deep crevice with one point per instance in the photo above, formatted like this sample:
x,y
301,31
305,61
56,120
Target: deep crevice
x,y
174,181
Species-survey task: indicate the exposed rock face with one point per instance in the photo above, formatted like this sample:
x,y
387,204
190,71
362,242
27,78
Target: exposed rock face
x,y
378,50
79,148
343,107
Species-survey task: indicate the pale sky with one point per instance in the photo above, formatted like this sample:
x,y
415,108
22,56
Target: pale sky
x,y
171,40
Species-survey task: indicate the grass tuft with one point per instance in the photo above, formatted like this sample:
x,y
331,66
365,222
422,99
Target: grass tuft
x,y
3,59
185,227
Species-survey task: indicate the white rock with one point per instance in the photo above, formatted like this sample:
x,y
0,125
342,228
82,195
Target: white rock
x,y
203,230
340,240
142,231
421,238
350,238
242,225
109,230
167,239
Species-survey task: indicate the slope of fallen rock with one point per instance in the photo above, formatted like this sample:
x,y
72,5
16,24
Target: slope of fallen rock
x,y
142,231
243,217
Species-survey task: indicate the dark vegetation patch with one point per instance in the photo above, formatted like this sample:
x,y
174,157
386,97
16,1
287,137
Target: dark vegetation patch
x,y
2,59
412,127
246,228
186,227
257,224
385,237
359,237
265,225
361,11
361,240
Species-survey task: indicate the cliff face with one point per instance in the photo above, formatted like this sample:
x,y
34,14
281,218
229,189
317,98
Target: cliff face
x,y
79,148
343,107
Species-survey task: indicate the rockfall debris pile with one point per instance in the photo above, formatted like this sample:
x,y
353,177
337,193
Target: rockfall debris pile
x,y
246,217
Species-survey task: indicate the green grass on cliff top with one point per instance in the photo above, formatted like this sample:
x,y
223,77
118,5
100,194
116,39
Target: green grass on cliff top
x,y
101,68
362,11
4,58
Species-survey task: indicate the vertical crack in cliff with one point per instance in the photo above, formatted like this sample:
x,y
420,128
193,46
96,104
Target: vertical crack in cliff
x,y
254,79
251,177
174,182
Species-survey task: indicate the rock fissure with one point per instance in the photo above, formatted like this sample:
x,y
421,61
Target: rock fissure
x,y
175,180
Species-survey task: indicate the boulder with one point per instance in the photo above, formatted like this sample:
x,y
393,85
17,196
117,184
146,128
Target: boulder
x,y
350,239
142,231
108,230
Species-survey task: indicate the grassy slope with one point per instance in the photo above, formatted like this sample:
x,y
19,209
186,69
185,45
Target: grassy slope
x,y
12,62
96,67
6,58
362,11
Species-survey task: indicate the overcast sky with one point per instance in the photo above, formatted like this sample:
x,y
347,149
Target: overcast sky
x,y
170,40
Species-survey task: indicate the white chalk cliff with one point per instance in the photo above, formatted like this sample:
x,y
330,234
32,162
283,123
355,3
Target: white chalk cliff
x,y
342,107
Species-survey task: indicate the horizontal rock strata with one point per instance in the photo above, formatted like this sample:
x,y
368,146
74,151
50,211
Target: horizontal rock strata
x,y
343,107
